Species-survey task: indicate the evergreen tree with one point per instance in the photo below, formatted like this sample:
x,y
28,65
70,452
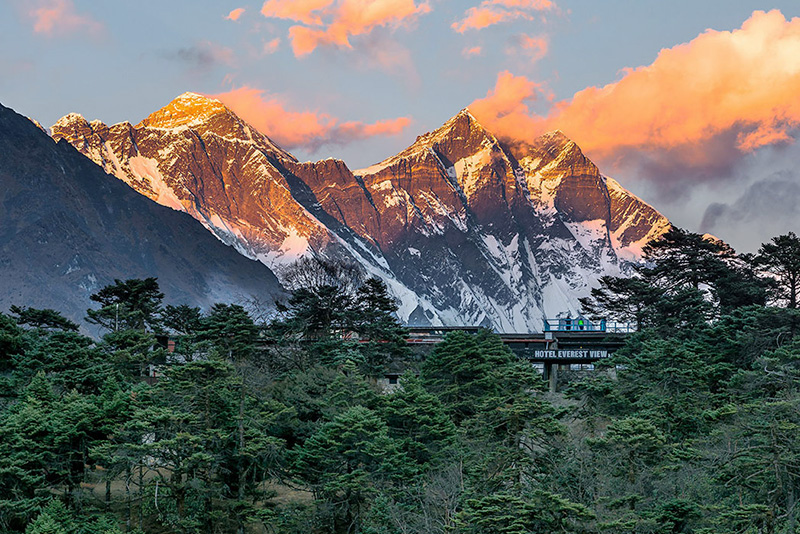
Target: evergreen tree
x,y
229,332
624,299
332,303
47,439
182,319
11,345
540,513
685,280
680,258
781,258
347,461
186,423
46,319
418,421
465,369
128,305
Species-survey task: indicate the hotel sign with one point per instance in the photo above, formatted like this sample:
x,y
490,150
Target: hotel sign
x,y
569,354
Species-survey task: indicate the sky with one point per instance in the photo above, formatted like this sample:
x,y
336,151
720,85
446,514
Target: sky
x,y
694,105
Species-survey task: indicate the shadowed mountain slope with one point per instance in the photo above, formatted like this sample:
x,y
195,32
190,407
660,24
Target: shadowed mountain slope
x,y
67,229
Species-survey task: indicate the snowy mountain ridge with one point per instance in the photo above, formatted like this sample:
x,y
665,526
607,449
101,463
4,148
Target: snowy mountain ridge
x,y
463,228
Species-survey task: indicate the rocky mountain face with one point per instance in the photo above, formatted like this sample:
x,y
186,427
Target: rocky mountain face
x,y
463,228
67,229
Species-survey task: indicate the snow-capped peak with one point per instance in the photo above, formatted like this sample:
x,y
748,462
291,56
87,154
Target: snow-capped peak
x,y
68,121
188,109
462,129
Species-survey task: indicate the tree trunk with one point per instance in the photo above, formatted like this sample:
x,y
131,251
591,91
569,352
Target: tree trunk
x,y
129,504
141,495
240,462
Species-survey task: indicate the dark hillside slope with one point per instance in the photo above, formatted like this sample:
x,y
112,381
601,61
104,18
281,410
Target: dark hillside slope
x,y
67,229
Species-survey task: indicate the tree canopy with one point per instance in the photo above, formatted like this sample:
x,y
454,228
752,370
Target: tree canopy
x,y
236,426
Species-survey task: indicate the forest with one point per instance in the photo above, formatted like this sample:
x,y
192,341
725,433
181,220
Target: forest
x,y
233,420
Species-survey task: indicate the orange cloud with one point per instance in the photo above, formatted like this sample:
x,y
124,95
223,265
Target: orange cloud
x,y
491,12
473,51
305,40
482,17
307,129
722,94
305,11
532,5
334,22
235,14
270,47
53,17
505,109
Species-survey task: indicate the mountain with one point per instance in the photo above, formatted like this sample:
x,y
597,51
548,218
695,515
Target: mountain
x,y
67,229
464,228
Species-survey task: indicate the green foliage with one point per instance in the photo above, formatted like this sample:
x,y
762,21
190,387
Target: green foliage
x,y
631,300
348,460
781,258
331,302
691,427
47,438
128,305
47,319
228,332
55,518
465,369
10,342
72,360
541,512
182,319
418,421
686,279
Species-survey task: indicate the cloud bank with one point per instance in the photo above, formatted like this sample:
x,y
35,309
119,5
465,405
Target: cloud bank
x,y
694,111
334,22
304,129
58,17
491,12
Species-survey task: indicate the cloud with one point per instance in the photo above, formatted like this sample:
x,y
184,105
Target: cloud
x,y
235,14
270,47
505,111
202,56
478,18
532,47
334,22
767,208
491,12
472,51
58,17
306,129
305,11
379,51
689,115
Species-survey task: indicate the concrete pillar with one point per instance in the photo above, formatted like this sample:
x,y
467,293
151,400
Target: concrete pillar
x,y
553,377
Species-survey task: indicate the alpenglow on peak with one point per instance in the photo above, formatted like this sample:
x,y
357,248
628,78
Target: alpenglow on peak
x,y
188,109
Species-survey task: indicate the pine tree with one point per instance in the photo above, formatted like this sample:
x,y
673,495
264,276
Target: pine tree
x,y
46,319
465,369
128,305
348,460
781,258
418,421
